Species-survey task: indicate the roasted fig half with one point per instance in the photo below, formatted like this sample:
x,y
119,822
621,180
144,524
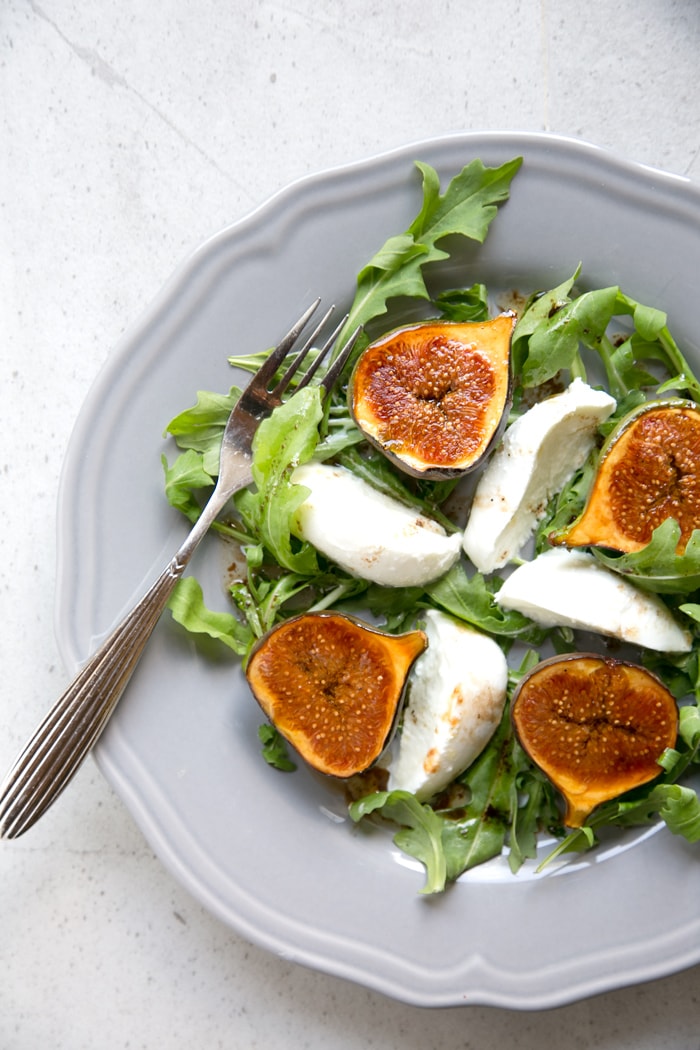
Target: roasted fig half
x,y
333,685
433,397
648,471
595,726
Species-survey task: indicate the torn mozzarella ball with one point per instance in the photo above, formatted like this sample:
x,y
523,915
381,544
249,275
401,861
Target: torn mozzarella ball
x,y
368,533
539,452
566,588
456,700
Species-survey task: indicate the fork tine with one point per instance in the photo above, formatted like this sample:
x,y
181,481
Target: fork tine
x,y
331,377
277,356
293,368
322,353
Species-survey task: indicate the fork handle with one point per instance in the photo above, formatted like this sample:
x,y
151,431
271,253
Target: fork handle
x,y
68,732
66,735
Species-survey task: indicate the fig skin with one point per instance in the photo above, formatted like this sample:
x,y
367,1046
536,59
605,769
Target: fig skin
x,y
648,471
595,726
333,685
434,397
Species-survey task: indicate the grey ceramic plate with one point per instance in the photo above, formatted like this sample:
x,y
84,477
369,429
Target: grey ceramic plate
x,y
277,858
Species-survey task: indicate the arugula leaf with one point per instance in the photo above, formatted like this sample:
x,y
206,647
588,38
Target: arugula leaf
x,y
656,341
625,377
420,833
372,467
538,810
451,841
554,343
557,324
468,205
472,599
679,807
566,505
537,312
186,475
340,434
396,607
481,833
201,426
282,442
274,748
689,727
679,671
648,320
464,304
466,208
262,600
682,379
657,566
534,800
188,608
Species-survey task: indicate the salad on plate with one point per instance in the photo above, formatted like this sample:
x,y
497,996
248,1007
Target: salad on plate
x,y
469,578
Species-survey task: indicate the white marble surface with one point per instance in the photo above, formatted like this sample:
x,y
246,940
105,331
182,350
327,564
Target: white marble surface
x,y
130,132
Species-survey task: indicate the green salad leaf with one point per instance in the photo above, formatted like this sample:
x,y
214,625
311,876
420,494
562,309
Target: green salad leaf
x,y
373,467
466,209
183,479
538,311
566,504
657,566
419,835
679,808
464,304
189,609
479,832
274,748
555,343
282,442
471,598
200,427
558,325
505,802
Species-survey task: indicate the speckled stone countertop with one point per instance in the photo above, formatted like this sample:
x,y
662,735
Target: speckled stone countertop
x,y
131,132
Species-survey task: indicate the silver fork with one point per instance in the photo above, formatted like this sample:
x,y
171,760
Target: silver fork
x,y
70,729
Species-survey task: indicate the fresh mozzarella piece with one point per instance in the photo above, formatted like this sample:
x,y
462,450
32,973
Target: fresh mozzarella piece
x,y
540,451
571,589
369,534
456,699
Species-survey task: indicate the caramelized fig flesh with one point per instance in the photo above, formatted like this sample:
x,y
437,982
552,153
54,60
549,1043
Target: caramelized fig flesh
x,y
433,397
649,470
333,687
595,726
